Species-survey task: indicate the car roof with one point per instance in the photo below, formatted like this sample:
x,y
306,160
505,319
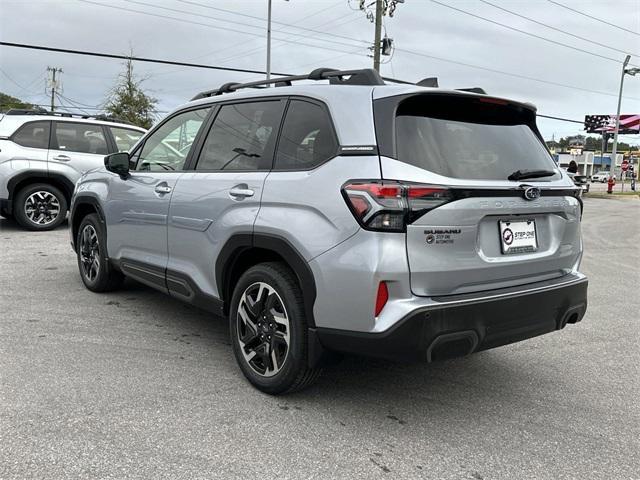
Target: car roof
x,y
350,106
10,123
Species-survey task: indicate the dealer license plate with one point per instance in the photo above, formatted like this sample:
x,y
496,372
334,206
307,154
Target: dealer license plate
x,y
518,236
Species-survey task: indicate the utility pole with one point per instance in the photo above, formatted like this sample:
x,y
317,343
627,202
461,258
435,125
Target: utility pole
x,y
383,8
269,43
53,84
377,36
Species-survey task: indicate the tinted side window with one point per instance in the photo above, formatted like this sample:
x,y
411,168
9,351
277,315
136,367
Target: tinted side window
x,y
80,137
307,138
242,137
34,135
167,148
125,138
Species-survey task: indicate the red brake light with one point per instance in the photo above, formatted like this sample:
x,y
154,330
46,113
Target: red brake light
x,y
495,101
381,297
389,206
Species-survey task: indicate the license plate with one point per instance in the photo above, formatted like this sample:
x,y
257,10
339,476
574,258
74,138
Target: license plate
x,y
518,236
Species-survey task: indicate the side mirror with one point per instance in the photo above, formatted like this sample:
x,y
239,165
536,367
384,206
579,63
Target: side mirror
x,y
118,163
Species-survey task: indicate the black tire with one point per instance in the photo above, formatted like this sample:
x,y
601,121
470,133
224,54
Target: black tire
x,y
293,373
40,196
101,277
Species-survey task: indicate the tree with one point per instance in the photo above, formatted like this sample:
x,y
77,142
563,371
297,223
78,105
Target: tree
x,y
7,102
128,102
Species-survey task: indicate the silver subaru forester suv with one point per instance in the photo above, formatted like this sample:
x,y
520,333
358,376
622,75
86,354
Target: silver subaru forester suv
x,y
395,221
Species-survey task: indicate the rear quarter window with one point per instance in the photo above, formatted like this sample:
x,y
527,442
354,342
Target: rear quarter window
x,y
33,135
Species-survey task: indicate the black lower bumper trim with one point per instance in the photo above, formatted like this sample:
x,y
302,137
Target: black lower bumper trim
x,y
457,330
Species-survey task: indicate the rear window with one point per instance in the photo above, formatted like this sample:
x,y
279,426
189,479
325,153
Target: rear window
x,y
466,138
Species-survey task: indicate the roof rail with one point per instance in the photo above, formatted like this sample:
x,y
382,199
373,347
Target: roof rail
x,y
365,76
26,111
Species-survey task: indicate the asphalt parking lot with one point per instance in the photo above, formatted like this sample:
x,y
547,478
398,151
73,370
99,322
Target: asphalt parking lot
x,y
134,384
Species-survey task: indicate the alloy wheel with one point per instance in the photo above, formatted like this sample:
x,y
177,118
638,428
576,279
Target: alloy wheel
x,y
42,207
263,329
90,253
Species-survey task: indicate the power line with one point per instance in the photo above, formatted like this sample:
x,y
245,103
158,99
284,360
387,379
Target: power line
x,y
516,75
524,32
207,25
22,88
260,27
62,105
261,72
561,119
584,39
255,17
593,18
257,49
136,59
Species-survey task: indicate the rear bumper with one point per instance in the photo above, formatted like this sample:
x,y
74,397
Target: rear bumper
x,y
462,324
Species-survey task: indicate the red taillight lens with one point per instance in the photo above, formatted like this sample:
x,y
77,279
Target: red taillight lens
x,y
381,297
389,206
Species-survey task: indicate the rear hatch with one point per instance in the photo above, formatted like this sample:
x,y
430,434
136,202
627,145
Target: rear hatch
x,y
488,207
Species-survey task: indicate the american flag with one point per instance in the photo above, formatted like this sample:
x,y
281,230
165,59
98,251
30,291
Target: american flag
x,y
629,124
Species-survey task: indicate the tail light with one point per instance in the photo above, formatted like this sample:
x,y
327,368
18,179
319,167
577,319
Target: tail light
x,y
389,206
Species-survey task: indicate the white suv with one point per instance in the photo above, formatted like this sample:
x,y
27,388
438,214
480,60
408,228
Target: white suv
x,y
42,155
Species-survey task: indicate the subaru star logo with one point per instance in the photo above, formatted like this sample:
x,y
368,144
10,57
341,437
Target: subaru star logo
x,y
531,193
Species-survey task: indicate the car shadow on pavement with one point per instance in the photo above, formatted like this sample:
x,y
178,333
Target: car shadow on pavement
x,y
489,377
10,225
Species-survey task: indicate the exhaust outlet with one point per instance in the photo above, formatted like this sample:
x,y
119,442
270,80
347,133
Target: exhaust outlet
x,y
452,345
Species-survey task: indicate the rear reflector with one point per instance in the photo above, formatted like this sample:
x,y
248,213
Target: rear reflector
x,y
381,297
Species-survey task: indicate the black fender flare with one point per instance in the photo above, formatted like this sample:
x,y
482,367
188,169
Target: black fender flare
x,y
44,174
81,200
240,242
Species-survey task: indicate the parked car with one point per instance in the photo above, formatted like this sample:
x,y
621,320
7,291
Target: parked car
x,y
394,221
601,176
42,155
580,181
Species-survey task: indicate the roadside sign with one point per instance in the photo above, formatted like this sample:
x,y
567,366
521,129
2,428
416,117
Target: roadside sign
x,y
624,166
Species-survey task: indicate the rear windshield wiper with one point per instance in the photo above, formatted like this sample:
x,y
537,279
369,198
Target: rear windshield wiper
x,y
524,174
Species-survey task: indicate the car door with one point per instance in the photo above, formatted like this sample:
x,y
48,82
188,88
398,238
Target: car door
x,y
76,147
137,206
220,194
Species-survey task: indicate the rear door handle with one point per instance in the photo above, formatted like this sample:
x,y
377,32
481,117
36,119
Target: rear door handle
x,y
62,158
241,191
163,188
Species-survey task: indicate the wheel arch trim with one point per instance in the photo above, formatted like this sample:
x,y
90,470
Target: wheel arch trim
x,y
44,176
81,200
238,243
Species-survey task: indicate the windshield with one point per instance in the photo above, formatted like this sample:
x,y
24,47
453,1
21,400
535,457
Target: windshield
x,y
462,138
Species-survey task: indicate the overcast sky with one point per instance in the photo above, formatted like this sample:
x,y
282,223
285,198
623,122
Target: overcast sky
x,y
431,40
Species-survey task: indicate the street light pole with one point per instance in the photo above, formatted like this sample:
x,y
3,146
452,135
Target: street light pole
x,y
615,132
